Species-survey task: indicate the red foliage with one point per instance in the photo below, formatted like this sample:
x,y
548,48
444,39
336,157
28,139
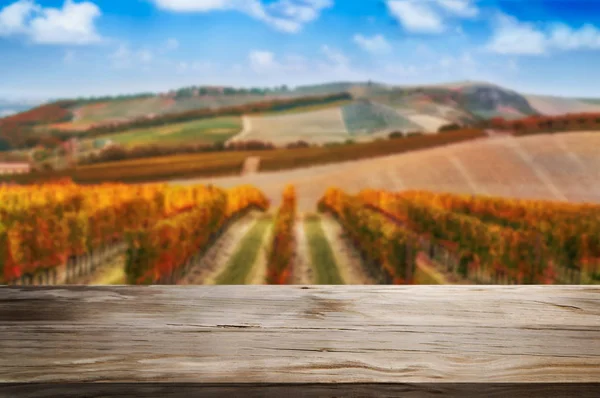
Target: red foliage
x,y
540,124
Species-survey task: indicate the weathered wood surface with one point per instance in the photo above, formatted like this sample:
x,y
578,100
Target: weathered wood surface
x,y
271,334
249,390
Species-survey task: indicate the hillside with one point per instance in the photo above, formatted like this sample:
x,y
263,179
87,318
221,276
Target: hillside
x,y
372,110
548,105
557,167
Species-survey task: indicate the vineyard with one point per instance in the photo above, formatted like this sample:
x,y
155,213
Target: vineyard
x,y
57,232
63,233
366,117
481,239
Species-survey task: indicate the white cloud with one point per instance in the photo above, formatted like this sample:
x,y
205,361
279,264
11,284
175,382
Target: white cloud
x,y
332,64
13,18
563,37
284,15
124,57
336,57
263,61
512,36
196,66
145,56
461,8
72,24
427,16
375,44
465,61
399,70
415,17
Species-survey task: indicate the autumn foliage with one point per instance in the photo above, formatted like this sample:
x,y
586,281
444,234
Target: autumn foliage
x,y
547,124
17,130
42,226
280,259
523,241
385,245
157,252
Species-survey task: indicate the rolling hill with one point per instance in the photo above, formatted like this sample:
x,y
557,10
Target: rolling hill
x,y
555,167
374,110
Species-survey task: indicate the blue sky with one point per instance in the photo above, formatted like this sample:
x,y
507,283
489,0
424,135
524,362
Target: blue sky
x,y
58,48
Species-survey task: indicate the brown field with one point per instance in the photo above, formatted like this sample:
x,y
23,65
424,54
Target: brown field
x,y
556,167
231,163
554,106
317,126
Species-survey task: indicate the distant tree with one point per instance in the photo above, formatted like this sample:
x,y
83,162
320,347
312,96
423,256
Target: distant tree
x,y
396,134
298,144
4,145
219,146
449,127
519,126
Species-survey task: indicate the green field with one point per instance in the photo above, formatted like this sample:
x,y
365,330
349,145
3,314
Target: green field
x,y
323,260
241,263
204,131
364,117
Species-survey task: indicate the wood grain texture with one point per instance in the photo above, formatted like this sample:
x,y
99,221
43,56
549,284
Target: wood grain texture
x,y
287,334
247,390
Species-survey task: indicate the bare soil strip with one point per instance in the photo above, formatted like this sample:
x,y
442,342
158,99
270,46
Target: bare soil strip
x,y
350,264
302,271
240,265
215,259
258,274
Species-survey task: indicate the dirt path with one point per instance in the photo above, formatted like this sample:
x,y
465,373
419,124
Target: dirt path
x,y
251,165
302,272
258,275
246,130
350,265
215,259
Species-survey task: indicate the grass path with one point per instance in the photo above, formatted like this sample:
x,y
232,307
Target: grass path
x,y
239,267
258,275
114,275
322,257
214,261
110,273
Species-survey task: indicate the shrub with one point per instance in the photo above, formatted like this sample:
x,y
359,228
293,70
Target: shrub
x,y
449,127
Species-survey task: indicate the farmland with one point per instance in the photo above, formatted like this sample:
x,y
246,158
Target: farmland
x,y
365,117
318,126
546,166
205,131
159,234
230,163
